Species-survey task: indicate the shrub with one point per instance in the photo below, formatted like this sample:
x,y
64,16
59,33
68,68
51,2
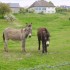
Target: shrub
x,y
4,9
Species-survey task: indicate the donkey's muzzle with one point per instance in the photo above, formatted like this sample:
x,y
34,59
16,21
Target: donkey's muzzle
x,y
47,43
30,35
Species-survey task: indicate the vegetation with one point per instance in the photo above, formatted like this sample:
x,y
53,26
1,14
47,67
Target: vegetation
x,y
4,9
23,10
10,18
62,10
42,13
31,11
58,56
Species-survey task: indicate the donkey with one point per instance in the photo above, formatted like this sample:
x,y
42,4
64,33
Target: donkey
x,y
44,36
17,34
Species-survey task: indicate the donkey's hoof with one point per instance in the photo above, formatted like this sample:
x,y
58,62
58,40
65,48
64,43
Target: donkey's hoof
x,y
23,51
38,49
6,50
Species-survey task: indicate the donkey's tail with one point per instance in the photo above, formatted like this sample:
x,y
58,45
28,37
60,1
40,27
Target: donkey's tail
x,y
3,37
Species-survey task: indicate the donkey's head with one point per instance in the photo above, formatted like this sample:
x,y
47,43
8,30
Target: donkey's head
x,y
46,37
28,29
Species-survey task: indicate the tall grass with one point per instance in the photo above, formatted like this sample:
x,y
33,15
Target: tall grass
x,y
58,56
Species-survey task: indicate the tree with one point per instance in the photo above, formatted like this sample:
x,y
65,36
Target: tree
x,y
4,9
31,10
22,10
10,18
60,10
26,10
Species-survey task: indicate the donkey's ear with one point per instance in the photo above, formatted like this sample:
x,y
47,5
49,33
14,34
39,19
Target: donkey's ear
x,y
31,22
26,24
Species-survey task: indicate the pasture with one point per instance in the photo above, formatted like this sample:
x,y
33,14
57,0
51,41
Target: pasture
x,y
58,56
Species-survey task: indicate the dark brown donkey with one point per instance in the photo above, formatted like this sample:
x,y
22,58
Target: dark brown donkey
x,y
17,34
43,35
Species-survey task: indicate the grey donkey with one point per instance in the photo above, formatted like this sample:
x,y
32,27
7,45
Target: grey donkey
x,y
17,34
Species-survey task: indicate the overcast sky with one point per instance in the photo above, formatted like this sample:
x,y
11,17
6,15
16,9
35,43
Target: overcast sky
x,y
25,3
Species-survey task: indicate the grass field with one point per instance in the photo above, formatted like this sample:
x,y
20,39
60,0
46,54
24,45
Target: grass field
x,y
58,56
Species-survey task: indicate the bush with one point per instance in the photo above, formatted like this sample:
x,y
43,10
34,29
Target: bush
x,y
10,18
60,10
31,11
23,10
41,12
4,9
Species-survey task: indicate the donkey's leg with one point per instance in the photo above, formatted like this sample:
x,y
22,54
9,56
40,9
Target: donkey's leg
x,y
43,47
5,45
39,44
23,45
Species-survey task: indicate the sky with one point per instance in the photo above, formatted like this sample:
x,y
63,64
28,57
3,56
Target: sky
x,y
26,3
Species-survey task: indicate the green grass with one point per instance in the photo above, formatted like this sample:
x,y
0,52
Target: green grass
x,y
58,56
